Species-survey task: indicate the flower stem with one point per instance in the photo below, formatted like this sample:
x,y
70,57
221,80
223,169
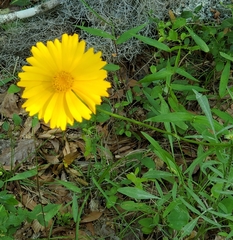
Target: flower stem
x,y
162,131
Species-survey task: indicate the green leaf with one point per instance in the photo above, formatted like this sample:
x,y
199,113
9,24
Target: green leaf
x,y
53,210
128,34
24,175
228,57
111,201
69,185
162,74
111,67
17,119
183,73
5,80
226,205
188,228
203,46
97,32
195,197
157,174
13,89
215,190
135,206
136,193
223,115
178,23
75,208
152,42
204,104
20,3
224,79
35,121
178,217
163,155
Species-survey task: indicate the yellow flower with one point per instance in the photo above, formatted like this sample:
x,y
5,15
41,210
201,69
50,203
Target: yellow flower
x,y
64,83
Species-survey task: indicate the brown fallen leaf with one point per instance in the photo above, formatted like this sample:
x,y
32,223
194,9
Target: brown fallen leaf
x,y
9,106
69,158
28,202
24,151
93,216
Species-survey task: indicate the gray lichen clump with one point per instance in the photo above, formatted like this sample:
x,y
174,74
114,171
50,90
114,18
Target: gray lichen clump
x,y
117,16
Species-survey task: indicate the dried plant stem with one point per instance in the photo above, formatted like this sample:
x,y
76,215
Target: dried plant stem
x,y
30,12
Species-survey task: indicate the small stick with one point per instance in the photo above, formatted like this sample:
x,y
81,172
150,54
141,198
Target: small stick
x,y
29,12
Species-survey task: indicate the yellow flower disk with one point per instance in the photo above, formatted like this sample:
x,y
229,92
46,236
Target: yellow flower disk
x,y
63,82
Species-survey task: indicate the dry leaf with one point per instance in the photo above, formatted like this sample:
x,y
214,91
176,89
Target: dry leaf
x,y
51,159
9,106
25,151
172,16
91,217
28,201
37,227
69,158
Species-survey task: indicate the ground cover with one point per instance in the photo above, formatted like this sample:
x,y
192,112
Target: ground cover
x,y
155,162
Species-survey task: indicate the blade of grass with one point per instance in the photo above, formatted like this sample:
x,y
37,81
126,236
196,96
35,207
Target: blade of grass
x,y
204,104
224,79
152,42
97,32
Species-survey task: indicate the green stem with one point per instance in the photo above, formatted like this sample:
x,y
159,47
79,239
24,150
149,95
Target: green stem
x,y
77,237
163,131
228,166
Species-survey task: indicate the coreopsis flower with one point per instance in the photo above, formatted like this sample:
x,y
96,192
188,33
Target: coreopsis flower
x,y
63,82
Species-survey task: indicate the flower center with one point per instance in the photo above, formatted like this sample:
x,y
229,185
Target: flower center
x,y
62,81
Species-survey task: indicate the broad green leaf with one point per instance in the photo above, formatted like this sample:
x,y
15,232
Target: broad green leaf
x,y
152,42
13,89
226,205
178,23
178,217
172,117
24,175
136,193
161,75
128,34
111,67
53,210
97,32
203,46
69,185
228,57
224,79
111,201
17,119
215,190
